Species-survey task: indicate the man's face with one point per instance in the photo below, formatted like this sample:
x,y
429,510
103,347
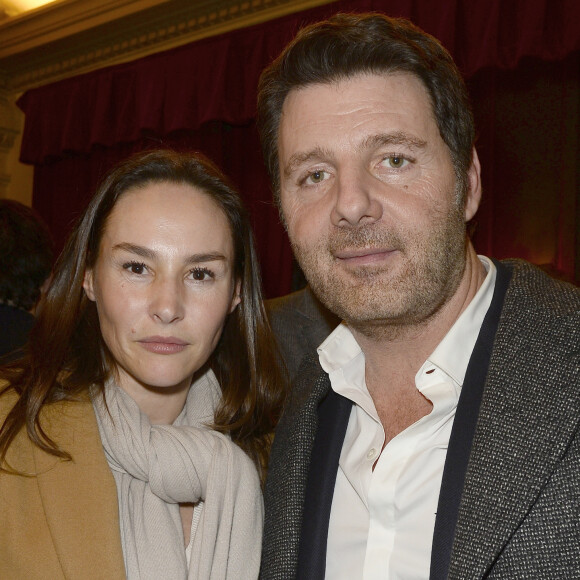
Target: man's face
x,y
369,197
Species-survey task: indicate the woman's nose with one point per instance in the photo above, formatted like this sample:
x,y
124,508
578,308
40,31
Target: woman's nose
x,y
166,301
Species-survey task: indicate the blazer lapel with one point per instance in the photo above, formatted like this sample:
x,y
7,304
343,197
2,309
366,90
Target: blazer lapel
x,y
79,496
463,431
290,461
333,415
529,411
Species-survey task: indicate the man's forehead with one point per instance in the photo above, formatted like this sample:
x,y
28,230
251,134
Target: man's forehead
x,y
370,108
337,82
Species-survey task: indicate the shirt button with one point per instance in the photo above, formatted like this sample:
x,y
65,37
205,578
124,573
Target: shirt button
x,y
372,453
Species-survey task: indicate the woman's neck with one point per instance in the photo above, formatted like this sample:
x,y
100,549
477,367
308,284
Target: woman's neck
x,y
162,405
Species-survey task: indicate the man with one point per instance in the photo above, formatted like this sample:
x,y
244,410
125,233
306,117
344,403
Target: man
x,y
435,435
25,264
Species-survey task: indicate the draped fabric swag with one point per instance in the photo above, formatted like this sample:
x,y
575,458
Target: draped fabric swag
x,y
521,58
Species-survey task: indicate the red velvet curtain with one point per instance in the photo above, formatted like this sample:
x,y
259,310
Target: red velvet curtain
x,y
528,144
202,96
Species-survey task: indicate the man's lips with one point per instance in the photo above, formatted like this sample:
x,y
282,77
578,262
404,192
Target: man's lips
x,y
163,344
361,256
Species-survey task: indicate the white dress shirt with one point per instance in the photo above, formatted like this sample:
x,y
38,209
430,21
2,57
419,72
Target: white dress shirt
x,y
382,521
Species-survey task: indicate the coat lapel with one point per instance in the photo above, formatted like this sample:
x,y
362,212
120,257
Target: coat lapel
x,y
529,412
79,496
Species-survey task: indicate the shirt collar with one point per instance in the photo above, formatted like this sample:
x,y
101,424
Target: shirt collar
x,y
452,354
339,349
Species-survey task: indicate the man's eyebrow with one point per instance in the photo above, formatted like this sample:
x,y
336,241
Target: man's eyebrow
x,y
151,254
379,140
396,138
299,159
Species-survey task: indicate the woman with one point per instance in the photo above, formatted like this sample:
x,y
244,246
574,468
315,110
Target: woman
x,y
151,354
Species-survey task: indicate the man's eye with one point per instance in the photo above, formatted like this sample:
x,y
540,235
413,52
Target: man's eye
x,y
135,267
396,161
317,176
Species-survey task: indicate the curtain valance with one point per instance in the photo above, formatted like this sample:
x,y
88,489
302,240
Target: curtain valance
x,y
216,78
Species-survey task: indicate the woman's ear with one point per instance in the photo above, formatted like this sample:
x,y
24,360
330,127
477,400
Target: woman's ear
x,y
88,284
236,298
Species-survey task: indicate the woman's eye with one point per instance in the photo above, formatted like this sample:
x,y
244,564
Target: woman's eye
x,y
202,274
396,161
135,267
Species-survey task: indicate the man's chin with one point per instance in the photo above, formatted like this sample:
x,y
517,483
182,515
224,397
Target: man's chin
x,y
351,303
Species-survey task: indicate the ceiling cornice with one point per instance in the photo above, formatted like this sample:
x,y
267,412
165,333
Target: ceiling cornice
x,y
59,20
72,37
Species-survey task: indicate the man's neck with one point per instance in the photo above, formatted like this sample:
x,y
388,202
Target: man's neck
x,y
406,347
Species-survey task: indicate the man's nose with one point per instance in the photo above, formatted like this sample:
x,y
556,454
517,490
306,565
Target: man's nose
x,y
356,201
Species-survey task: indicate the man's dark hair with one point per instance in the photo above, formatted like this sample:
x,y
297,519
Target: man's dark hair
x,y
26,254
350,44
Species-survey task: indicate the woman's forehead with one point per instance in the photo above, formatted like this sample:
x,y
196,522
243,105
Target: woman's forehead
x,y
168,213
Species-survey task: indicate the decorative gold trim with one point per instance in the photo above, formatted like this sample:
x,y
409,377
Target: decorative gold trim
x,y
58,20
77,36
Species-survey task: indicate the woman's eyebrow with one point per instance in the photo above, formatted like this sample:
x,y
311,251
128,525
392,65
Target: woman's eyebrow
x,y
135,249
149,254
208,257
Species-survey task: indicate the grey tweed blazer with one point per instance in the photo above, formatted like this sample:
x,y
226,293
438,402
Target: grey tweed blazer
x,y
518,514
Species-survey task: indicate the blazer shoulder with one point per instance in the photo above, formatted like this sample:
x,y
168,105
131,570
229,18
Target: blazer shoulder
x,y
533,288
302,303
300,323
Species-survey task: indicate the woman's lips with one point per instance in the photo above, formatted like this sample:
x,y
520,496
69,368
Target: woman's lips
x,y
163,344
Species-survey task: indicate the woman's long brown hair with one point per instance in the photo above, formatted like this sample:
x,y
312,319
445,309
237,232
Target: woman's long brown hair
x,y
66,353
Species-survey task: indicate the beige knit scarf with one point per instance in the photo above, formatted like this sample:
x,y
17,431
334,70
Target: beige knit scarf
x,y
156,467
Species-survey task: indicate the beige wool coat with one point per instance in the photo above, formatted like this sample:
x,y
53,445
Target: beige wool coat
x,y
62,521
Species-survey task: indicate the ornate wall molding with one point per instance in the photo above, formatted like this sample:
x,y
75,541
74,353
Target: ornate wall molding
x,y
72,37
9,130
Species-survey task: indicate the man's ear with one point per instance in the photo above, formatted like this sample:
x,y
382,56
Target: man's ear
x,y
473,193
88,284
236,298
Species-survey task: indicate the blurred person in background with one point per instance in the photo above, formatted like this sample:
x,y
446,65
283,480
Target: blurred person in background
x,y
26,257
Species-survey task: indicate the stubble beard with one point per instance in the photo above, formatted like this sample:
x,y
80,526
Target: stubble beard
x,y
388,298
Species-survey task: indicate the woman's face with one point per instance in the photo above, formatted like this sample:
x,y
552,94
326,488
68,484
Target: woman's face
x,y
163,285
